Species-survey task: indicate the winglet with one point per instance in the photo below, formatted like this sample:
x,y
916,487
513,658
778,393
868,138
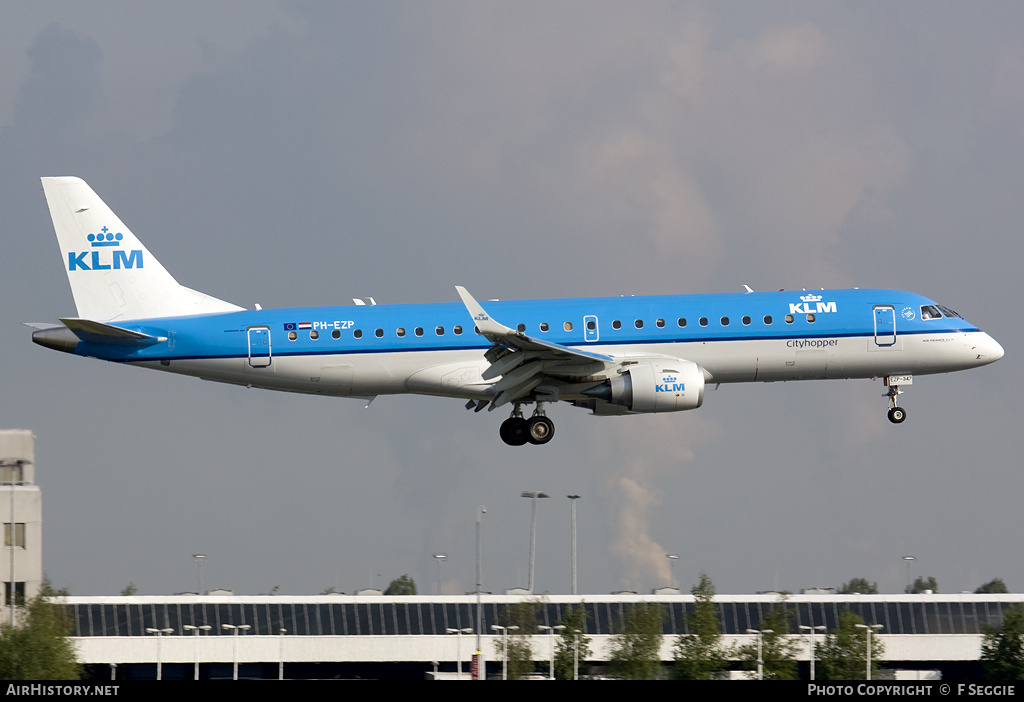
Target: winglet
x,y
488,327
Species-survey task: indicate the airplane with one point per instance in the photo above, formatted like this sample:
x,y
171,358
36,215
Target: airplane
x,y
613,356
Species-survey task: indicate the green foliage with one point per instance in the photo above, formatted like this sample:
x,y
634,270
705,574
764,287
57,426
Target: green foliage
x,y
993,586
574,619
859,586
843,656
520,649
636,650
1002,650
129,590
922,584
402,585
700,655
38,647
778,651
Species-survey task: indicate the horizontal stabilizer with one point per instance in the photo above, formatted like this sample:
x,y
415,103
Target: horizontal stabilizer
x,y
100,333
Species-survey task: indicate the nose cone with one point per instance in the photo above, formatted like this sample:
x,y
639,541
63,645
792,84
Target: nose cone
x,y
987,349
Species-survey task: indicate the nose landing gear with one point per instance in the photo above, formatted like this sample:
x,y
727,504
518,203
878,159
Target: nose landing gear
x,y
896,414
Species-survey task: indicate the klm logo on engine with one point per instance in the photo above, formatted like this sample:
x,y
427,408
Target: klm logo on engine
x,y
91,260
669,385
812,304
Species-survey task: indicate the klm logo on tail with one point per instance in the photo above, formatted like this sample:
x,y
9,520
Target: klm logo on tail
x,y
106,238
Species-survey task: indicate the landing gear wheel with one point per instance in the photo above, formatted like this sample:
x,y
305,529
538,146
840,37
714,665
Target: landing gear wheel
x,y
514,431
539,429
897,415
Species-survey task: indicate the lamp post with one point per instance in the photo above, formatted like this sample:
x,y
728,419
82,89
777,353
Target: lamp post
x,y
533,495
504,647
199,558
234,655
440,558
760,647
811,630
869,627
551,630
572,501
576,654
195,632
159,662
908,559
480,512
458,647
280,665
672,558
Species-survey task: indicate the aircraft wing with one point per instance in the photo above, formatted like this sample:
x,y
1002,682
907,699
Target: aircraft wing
x,y
523,361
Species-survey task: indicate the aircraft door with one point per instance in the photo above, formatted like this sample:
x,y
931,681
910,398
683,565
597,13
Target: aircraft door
x,y
885,325
259,347
590,330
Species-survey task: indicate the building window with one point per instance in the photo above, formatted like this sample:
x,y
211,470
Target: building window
x,y
19,534
19,592
12,473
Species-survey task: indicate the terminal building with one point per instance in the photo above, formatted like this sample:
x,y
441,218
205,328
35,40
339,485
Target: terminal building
x,y
21,506
411,637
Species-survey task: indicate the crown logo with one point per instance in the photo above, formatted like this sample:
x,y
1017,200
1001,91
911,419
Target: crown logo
x,y
669,379
105,238
811,298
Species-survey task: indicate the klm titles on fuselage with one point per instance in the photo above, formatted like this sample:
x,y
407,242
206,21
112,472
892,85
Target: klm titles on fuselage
x,y
806,308
105,239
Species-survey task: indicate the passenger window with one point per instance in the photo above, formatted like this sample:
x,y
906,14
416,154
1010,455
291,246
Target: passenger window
x,y
567,326
314,334
591,325
543,326
400,331
379,333
419,331
457,330
660,323
789,319
439,331
520,327
746,321
336,334
639,324
703,321
616,324
725,321
292,336
358,333
810,319
682,322
767,319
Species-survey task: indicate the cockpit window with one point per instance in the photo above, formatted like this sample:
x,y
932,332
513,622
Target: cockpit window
x,y
930,312
948,312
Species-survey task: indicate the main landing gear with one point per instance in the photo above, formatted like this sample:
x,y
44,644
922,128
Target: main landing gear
x,y
896,414
517,430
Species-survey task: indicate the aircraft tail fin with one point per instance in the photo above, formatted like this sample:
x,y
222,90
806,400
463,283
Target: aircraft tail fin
x,y
112,275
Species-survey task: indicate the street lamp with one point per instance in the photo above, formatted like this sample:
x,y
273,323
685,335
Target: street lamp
x,y
235,630
280,665
551,630
195,631
504,647
812,629
908,559
869,628
672,558
477,658
159,662
440,558
572,501
533,495
760,647
199,558
458,646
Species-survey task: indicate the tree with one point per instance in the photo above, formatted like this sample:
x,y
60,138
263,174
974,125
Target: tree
x,y
636,649
844,654
1002,649
402,585
859,586
922,584
699,655
523,616
129,590
566,654
39,646
778,651
993,586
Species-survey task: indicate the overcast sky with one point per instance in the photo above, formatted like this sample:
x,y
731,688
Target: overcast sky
x,y
305,153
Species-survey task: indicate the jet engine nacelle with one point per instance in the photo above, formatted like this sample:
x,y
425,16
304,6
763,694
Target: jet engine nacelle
x,y
660,386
